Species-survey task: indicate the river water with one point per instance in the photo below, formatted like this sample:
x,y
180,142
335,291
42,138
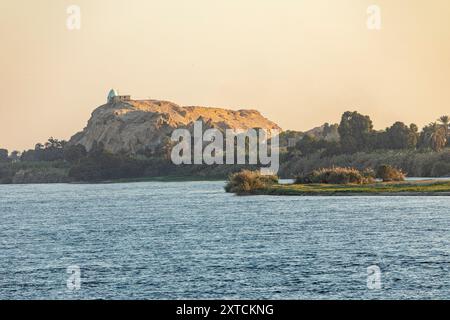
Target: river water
x,y
175,240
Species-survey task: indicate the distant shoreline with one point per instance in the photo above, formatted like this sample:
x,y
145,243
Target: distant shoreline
x,y
160,179
130,180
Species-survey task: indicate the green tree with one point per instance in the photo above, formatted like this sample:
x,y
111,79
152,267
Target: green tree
x,y
53,143
355,131
330,132
414,135
289,138
400,136
307,144
434,137
14,156
3,155
445,121
102,165
31,155
74,153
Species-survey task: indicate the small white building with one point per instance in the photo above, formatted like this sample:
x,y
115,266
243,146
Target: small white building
x,y
113,96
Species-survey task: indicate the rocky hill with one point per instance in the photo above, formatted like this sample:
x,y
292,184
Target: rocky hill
x,y
139,125
326,131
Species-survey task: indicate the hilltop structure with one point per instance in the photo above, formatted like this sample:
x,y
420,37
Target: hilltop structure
x,y
113,96
136,126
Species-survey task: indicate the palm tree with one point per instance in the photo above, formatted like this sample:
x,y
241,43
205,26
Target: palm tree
x,y
445,121
436,137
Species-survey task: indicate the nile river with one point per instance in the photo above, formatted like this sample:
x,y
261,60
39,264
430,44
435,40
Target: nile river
x,y
175,240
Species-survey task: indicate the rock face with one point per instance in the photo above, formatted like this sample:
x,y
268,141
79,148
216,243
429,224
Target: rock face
x,y
140,125
326,131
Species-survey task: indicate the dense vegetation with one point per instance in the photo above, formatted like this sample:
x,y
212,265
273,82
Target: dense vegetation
x,y
356,134
247,182
56,161
353,143
388,174
337,175
417,153
336,181
414,163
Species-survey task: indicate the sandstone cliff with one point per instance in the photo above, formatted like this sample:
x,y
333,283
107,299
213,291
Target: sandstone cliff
x,y
138,125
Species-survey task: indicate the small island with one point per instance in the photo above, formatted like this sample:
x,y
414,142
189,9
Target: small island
x,y
387,181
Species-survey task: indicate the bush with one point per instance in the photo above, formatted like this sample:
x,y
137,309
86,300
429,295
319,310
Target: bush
x,y
441,169
6,174
102,166
246,182
417,163
369,173
337,175
42,175
74,153
3,155
388,173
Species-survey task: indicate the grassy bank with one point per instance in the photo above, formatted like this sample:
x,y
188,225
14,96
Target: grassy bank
x,y
417,188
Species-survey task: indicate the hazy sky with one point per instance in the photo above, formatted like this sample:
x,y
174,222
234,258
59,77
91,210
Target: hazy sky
x,y
300,62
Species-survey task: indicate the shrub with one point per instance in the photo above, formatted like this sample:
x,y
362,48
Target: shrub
x,y
246,182
337,175
369,173
42,175
3,155
6,174
441,169
74,153
101,166
388,173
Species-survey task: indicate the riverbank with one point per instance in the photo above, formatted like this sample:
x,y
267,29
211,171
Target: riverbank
x,y
164,179
407,188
